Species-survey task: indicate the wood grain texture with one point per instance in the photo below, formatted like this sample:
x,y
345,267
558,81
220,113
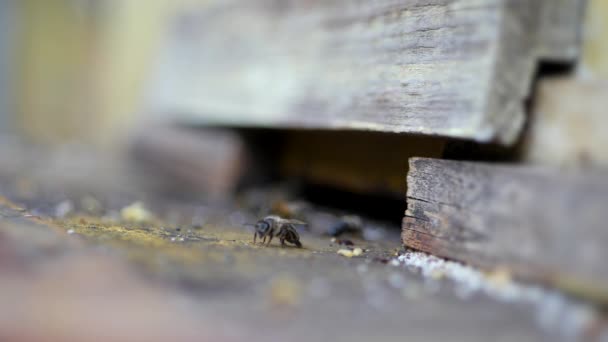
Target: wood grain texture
x,y
561,29
542,224
455,68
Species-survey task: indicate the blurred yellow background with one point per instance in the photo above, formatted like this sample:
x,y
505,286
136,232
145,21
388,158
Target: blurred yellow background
x,y
81,65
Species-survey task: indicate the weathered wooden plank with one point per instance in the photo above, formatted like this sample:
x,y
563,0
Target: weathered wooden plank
x,y
456,68
561,29
142,276
541,223
568,116
39,258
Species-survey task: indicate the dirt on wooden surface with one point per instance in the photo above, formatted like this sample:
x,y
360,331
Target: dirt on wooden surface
x,y
85,264
85,268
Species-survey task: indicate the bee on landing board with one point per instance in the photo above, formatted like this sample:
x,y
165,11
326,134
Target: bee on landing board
x,y
284,229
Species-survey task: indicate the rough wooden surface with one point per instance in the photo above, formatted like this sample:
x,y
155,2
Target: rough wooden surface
x,y
542,224
94,277
74,267
561,29
457,68
568,113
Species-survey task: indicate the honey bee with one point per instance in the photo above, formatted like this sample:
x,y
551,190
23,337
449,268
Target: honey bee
x,y
284,229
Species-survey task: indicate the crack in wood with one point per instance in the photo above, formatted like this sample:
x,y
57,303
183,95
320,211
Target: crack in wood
x,y
532,233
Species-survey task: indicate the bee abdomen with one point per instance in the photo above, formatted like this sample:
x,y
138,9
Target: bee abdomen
x,y
290,234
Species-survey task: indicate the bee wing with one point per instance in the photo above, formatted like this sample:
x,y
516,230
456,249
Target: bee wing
x,y
296,222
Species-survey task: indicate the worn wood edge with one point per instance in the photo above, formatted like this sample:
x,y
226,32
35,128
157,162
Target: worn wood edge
x,y
587,290
517,44
555,36
513,73
552,32
418,239
560,35
474,123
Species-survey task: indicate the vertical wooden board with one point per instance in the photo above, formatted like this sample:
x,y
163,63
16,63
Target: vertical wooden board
x,y
568,124
567,119
594,61
457,68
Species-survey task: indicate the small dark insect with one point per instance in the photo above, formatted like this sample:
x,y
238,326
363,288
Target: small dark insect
x,y
344,242
284,229
348,223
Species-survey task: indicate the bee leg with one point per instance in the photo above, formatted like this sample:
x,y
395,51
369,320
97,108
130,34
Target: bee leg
x,y
282,242
255,235
271,236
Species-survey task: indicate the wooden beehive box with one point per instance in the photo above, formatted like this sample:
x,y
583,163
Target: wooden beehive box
x,y
452,68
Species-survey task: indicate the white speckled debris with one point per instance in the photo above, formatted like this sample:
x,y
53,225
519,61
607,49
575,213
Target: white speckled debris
x,y
349,253
554,312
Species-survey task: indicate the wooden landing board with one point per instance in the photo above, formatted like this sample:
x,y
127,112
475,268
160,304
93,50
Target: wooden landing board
x,y
542,224
124,279
454,68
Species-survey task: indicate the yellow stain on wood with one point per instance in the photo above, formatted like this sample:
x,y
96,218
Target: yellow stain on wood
x,y
153,246
142,241
595,43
